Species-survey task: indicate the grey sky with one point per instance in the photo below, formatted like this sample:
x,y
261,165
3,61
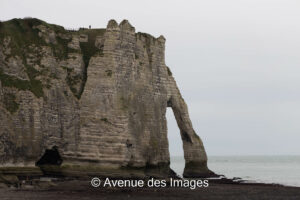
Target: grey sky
x,y
237,63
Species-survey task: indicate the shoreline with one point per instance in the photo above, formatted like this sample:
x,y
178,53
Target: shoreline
x,y
82,189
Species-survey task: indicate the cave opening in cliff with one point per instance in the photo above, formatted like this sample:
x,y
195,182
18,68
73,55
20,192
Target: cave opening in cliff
x,y
175,143
50,157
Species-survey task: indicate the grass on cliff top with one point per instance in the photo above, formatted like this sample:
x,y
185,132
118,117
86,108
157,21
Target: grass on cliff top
x,y
23,35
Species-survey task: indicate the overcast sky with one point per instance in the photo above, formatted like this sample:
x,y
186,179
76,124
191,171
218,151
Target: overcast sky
x,y
236,62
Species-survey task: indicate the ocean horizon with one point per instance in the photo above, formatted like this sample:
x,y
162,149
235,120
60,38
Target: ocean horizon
x,y
282,169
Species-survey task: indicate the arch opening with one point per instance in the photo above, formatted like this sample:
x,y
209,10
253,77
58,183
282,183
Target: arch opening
x,y
177,161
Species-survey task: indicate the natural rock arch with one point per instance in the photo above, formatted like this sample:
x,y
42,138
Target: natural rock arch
x,y
194,152
99,95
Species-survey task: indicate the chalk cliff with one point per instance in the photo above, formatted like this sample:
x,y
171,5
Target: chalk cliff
x,y
91,101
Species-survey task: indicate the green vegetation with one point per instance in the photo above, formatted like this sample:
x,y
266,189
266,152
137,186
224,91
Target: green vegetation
x,y
35,86
136,56
10,81
104,119
26,41
66,93
10,102
23,36
48,86
108,72
72,81
24,33
61,51
53,75
88,48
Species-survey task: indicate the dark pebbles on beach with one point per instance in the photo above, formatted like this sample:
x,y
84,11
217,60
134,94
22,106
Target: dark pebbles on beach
x,y
80,190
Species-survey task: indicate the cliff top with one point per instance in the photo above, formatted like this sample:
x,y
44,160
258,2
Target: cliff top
x,y
17,26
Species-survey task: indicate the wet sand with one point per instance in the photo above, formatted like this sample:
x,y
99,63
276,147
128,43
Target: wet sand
x,y
81,190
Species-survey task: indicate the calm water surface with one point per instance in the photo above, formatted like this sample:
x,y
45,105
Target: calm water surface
x,y
266,169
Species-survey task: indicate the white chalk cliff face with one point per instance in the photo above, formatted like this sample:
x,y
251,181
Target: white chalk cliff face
x,y
95,98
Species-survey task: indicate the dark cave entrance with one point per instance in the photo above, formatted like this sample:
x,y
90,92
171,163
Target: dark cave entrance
x,y
50,157
177,162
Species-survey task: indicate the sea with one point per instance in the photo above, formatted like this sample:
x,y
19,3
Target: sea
x,y
284,170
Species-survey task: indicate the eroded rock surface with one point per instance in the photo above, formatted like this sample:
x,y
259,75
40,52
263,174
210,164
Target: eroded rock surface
x,y
97,96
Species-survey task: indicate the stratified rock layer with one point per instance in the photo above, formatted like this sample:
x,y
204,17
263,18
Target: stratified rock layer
x,y
96,96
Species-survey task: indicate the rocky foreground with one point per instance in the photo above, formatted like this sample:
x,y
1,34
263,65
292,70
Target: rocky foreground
x,y
78,190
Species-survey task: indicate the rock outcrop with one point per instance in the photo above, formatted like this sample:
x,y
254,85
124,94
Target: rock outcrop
x,y
89,101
